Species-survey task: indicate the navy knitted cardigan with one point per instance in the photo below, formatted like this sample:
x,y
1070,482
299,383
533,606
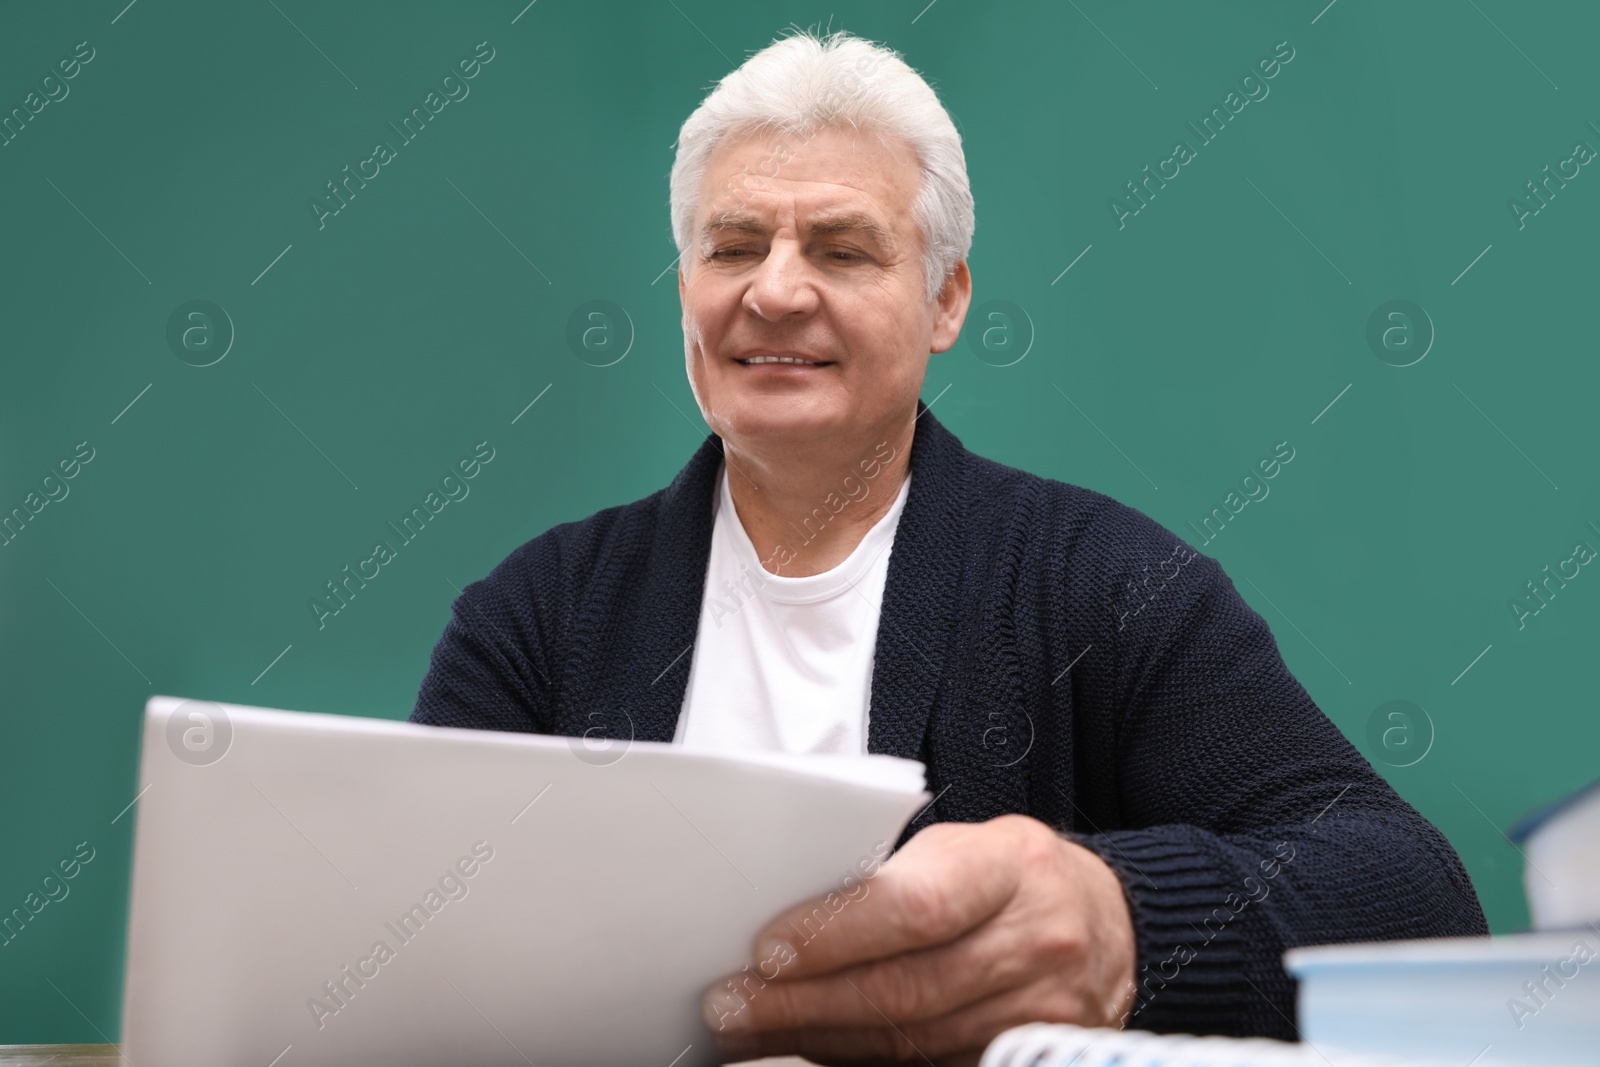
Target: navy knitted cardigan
x,y
1043,649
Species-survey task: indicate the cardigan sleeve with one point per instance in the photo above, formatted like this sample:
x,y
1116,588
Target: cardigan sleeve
x,y
1239,819
491,668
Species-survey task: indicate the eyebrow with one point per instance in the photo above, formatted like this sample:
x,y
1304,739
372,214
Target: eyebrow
x,y
836,223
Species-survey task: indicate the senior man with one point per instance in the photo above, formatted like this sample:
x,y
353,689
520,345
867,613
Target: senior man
x,y
1137,807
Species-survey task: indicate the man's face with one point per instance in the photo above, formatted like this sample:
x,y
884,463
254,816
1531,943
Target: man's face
x,y
811,250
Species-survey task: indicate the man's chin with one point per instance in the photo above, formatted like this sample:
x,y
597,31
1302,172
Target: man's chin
x,y
775,419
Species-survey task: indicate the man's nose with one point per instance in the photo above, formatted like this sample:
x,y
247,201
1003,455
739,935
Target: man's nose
x,y
782,283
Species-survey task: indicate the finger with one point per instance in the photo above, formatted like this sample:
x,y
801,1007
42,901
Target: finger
x,y
947,879
973,1026
956,1038
858,1046
923,984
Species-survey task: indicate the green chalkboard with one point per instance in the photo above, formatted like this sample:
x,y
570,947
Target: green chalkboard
x,y
222,380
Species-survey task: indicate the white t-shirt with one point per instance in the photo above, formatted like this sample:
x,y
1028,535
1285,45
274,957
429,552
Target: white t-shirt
x,y
785,664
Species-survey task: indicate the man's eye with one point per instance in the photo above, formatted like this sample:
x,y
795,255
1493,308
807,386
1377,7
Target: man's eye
x,y
838,255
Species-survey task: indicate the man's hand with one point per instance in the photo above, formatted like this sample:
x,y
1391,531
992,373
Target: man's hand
x,y
970,929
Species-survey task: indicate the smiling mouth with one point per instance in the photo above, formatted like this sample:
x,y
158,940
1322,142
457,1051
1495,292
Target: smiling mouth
x,y
793,361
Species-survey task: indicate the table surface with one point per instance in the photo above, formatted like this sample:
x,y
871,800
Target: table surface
x,y
58,1055
106,1055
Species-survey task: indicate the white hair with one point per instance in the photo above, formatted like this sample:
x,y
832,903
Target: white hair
x,y
802,84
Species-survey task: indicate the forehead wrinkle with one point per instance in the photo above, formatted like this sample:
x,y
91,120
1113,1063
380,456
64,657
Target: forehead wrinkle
x,y
827,223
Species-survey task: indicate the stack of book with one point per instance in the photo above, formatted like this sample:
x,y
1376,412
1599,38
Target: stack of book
x,y
1526,999
1519,1000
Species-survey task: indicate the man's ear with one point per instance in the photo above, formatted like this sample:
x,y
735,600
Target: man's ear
x,y
950,307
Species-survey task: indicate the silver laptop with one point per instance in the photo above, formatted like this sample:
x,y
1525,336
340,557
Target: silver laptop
x,y
319,889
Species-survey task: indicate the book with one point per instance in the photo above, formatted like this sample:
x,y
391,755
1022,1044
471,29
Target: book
x,y
1561,844
1530,999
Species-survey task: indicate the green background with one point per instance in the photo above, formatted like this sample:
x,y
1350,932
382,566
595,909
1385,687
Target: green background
x,y
427,315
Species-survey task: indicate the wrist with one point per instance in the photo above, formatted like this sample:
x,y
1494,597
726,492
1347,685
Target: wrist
x,y
1113,942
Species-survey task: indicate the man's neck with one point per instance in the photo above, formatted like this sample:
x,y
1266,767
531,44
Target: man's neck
x,y
805,510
